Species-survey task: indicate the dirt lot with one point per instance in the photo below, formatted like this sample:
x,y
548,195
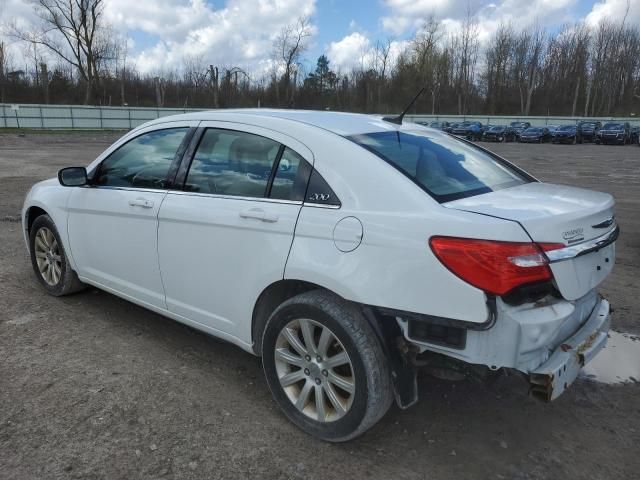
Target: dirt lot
x,y
94,387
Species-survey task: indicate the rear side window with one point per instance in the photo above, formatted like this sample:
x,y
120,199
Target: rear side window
x,y
290,179
143,162
229,162
446,168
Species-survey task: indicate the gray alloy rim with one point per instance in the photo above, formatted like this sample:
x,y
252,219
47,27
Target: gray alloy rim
x,y
315,370
48,256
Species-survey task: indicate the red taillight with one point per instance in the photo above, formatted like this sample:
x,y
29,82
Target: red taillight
x,y
493,266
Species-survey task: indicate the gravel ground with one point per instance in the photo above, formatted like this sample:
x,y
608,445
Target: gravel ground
x,y
94,387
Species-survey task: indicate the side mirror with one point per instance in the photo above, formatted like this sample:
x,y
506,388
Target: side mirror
x,y
73,177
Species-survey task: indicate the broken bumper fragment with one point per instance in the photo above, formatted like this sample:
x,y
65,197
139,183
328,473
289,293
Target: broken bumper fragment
x,y
555,375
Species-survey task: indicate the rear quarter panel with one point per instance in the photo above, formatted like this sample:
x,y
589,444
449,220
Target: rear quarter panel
x,y
393,267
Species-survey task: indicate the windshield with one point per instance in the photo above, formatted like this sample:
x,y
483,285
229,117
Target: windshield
x,y
446,168
589,125
533,130
496,129
519,124
613,126
566,128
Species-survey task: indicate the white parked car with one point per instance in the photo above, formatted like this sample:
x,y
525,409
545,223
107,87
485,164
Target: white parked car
x,y
344,249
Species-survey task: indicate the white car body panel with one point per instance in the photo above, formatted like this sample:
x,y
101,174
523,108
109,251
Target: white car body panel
x,y
115,243
403,276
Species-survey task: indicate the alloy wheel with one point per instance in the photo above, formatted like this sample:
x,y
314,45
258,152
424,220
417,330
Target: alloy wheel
x,y
314,370
48,258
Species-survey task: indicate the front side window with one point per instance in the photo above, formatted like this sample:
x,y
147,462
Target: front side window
x,y
443,166
229,162
143,162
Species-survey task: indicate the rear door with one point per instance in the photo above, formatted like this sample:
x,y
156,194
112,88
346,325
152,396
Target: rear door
x,y
226,235
112,224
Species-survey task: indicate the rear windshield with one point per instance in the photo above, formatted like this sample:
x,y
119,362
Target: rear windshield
x,y
445,167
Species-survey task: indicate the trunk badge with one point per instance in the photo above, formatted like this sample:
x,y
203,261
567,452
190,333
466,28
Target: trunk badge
x,y
573,236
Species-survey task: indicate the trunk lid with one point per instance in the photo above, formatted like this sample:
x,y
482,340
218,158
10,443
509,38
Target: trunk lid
x,y
556,214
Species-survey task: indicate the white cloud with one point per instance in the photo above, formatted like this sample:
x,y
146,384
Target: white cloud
x,y
405,16
237,33
349,52
357,51
614,9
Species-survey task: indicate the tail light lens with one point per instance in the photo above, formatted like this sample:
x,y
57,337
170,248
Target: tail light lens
x,y
493,266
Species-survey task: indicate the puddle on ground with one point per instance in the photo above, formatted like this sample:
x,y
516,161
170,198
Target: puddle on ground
x,y
617,362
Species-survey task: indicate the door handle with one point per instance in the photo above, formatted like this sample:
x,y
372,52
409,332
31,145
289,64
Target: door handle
x,y
141,202
259,214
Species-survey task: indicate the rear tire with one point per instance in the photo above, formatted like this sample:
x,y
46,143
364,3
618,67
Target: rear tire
x,y
49,259
302,338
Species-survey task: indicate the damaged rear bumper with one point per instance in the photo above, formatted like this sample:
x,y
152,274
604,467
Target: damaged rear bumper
x,y
554,376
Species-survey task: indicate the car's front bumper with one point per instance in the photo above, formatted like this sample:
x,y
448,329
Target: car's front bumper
x,y
554,376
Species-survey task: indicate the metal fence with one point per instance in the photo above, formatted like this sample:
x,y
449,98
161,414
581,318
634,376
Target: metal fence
x,y
78,117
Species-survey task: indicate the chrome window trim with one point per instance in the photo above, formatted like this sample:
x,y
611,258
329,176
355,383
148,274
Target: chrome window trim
x,y
128,189
320,205
583,248
236,197
216,195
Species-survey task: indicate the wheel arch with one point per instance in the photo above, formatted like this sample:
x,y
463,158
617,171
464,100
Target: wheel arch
x,y
31,214
270,298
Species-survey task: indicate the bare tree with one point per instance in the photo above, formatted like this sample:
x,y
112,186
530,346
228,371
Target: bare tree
x,y
75,31
288,47
465,46
3,71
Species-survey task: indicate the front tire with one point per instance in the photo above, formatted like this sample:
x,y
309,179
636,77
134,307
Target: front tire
x,y
325,366
49,259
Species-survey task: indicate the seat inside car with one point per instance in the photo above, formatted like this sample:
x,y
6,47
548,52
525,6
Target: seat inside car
x,y
229,163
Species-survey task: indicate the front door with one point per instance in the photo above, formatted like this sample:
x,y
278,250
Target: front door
x,y
113,223
226,236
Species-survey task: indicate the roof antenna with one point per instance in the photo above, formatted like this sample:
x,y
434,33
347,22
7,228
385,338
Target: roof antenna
x,y
398,120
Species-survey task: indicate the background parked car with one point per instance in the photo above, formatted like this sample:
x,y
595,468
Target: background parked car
x,y
618,133
469,130
589,130
449,127
519,127
567,134
439,125
635,134
535,135
552,128
499,133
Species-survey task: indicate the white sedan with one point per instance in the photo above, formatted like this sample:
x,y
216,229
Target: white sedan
x,y
343,249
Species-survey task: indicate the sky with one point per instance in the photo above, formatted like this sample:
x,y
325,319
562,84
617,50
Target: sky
x,y
163,34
